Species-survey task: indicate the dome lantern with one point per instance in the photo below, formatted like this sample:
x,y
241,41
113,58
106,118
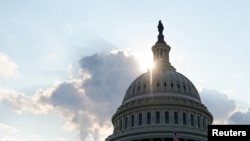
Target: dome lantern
x,y
161,50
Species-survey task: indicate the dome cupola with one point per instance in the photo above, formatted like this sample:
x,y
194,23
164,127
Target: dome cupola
x,y
161,50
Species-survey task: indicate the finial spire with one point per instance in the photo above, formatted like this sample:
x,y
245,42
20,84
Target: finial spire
x,y
160,36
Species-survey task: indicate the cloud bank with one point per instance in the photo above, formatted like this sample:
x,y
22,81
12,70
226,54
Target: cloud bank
x,y
88,101
240,117
223,108
219,104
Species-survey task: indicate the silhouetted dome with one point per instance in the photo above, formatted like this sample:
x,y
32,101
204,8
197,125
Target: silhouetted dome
x,y
163,82
160,102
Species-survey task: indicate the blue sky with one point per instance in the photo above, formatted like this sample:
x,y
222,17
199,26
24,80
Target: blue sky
x,y
62,62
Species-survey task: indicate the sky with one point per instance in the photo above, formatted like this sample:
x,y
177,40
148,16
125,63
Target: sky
x,y
65,65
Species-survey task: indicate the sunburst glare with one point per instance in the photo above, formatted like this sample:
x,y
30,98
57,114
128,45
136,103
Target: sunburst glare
x,y
145,60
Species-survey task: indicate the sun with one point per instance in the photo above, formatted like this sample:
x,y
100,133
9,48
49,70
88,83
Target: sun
x,y
145,60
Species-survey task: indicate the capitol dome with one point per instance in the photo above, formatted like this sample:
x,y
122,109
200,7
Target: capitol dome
x,y
159,103
165,82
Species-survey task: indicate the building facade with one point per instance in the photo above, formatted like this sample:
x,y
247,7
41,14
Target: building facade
x,y
160,103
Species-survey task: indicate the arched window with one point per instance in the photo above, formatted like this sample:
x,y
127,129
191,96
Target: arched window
x,y
184,87
166,117
192,119
165,84
158,84
203,123
132,121
198,122
117,124
184,119
175,118
140,118
148,118
126,122
120,124
157,115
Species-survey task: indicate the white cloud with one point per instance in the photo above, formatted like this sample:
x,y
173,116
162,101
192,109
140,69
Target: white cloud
x,y
85,103
219,104
88,102
7,128
8,68
240,117
19,102
223,108
105,80
230,93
